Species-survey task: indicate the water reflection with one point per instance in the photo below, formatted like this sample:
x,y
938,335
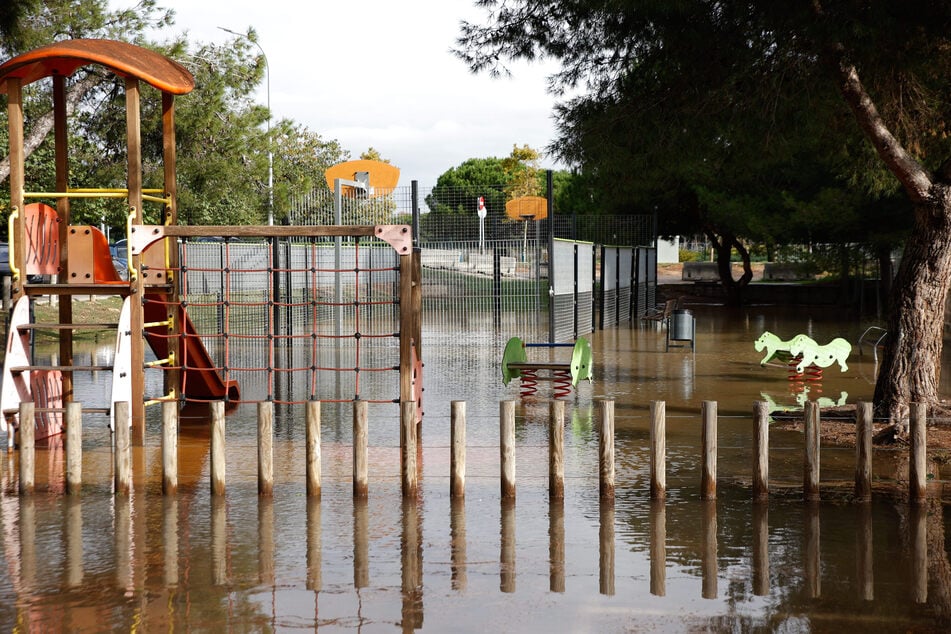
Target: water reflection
x,y
507,547
74,541
457,539
556,544
411,557
219,541
606,548
761,549
361,544
709,565
658,547
314,544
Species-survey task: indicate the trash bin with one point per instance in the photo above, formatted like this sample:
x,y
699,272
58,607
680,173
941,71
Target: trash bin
x,y
681,327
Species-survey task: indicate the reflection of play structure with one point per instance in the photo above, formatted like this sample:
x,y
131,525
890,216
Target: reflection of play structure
x,y
563,375
801,398
803,355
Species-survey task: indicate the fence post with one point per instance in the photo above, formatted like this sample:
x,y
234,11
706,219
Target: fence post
x,y
507,448
760,451
169,447
313,449
360,465
27,429
266,448
863,452
408,442
217,447
810,467
123,457
658,456
74,447
606,451
918,449
556,449
457,459
708,441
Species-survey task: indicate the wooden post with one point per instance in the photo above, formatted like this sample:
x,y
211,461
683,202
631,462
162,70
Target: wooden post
x,y
606,451
457,458
863,452
217,447
360,439
507,448
74,447
170,447
760,451
266,448
708,441
658,456
918,449
313,449
27,428
810,467
556,450
409,473
123,450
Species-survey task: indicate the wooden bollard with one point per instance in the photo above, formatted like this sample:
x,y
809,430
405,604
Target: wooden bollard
x,y
760,450
123,450
658,455
74,447
810,466
217,447
360,438
863,452
606,451
556,449
266,448
507,447
457,458
313,449
708,442
27,428
409,474
169,447
918,449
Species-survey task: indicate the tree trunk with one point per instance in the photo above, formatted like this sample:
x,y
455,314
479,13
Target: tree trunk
x,y
724,245
911,363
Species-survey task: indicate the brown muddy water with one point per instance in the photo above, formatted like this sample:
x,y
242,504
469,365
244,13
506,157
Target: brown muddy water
x,y
100,562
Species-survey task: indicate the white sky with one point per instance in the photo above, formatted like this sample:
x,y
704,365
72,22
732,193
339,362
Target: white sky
x,y
379,73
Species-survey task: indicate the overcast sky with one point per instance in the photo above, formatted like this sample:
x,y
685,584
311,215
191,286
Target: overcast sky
x,y
379,73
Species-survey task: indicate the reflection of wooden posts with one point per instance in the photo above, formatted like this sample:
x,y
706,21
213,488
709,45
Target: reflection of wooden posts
x,y
123,540
813,562
865,554
507,547
409,479
219,540
918,531
457,459
708,442
170,539
507,448
556,544
27,428
169,447
918,449
810,469
266,448
313,448
658,548
457,540
761,550
556,450
360,439
217,447
74,542
863,452
361,544
760,451
606,451
123,450
27,536
709,554
606,548
658,454
266,539
411,567
314,538
74,447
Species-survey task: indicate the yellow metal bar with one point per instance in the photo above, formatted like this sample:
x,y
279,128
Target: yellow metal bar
x,y
157,199
110,190
11,254
94,193
158,362
152,324
130,219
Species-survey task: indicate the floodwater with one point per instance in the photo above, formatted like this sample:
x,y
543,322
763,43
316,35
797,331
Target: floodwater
x,y
101,562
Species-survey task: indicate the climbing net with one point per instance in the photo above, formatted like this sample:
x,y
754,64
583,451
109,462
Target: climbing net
x,y
289,319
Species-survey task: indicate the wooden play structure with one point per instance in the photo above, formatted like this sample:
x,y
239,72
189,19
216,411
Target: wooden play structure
x,y
53,259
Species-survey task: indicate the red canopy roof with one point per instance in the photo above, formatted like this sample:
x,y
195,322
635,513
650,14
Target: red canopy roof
x,y
122,58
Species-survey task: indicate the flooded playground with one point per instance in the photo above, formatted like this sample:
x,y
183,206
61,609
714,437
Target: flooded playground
x,y
241,562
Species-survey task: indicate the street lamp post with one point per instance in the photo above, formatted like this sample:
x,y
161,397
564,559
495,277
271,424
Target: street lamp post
x,y
270,151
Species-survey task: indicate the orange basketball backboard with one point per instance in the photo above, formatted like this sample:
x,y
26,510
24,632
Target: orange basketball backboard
x,y
527,208
383,176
